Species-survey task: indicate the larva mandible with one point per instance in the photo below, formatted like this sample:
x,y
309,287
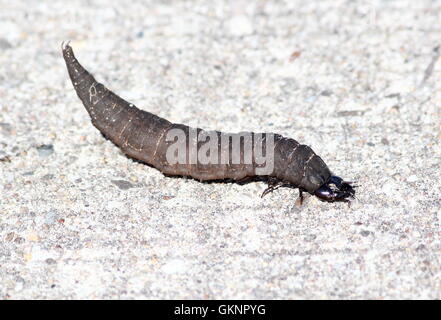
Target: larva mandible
x,y
143,136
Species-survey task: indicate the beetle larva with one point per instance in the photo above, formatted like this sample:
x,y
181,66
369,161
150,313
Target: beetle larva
x,y
146,137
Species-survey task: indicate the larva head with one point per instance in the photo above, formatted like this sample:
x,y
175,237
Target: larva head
x,y
336,190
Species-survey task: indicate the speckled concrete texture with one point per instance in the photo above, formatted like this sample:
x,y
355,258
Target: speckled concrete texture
x,y
358,81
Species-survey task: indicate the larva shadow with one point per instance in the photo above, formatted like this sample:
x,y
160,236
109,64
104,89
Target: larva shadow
x,y
207,156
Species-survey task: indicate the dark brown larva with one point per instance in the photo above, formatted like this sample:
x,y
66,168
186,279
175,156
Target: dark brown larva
x,y
142,136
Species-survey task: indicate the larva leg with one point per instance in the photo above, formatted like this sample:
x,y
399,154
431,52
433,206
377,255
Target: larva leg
x,y
273,184
301,197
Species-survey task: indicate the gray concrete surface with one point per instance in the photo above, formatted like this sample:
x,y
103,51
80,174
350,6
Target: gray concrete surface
x,y
350,78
